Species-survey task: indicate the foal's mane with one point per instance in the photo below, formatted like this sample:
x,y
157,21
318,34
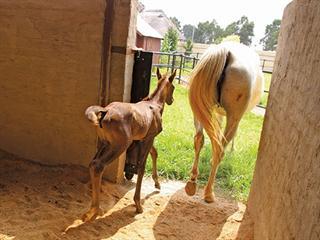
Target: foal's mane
x,y
157,89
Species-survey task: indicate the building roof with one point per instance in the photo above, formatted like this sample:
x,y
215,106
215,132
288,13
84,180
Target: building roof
x,y
144,29
159,21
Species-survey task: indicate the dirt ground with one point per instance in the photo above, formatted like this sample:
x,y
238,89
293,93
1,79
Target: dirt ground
x,y
40,202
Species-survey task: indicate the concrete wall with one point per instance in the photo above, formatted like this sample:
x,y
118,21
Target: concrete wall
x,y
284,201
50,70
50,62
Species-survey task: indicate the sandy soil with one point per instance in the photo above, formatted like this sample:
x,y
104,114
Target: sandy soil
x,y
39,202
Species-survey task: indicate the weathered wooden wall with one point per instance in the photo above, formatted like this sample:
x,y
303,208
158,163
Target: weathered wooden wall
x,y
284,201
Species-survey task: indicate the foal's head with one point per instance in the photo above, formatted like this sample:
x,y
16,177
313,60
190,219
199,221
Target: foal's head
x,y
165,86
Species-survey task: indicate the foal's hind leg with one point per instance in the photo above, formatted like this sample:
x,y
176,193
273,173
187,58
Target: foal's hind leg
x,y
145,149
218,153
106,154
154,156
191,185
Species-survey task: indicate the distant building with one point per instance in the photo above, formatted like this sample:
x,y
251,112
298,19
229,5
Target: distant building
x,y
147,37
160,22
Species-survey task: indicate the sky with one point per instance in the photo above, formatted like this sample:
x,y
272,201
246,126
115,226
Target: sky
x,y
261,12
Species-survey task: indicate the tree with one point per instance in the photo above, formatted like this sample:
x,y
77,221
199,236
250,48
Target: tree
x,y
188,47
207,31
243,28
231,29
176,22
270,39
218,34
188,31
170,41
246,31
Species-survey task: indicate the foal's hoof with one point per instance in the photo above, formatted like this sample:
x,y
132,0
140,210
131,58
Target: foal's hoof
x,y
128,176
92,214
139,209
209,198
157,185
191,187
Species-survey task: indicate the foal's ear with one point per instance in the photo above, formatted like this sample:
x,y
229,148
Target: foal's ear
x,y
173,75
158,74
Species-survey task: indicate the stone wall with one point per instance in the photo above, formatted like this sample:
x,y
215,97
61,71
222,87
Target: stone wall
x,y
284,201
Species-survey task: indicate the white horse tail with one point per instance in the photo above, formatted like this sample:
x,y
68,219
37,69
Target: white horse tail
x,y
95,114
203,91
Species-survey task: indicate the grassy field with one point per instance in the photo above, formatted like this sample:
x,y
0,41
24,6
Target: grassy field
x,y
175,148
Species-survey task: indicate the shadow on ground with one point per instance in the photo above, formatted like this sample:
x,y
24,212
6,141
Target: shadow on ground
x,y
40,202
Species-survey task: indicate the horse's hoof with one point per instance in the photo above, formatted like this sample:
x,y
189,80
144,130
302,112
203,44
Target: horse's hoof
x,y
157,185
92,214
209,198
191,187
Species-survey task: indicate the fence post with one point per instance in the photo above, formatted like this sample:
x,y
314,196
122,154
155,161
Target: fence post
x,y
173,62
181,59
194,62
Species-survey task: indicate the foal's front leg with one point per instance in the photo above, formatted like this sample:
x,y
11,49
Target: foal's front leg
x,y
145,149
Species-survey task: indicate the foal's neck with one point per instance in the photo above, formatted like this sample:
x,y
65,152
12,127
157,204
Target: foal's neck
x,y
157,96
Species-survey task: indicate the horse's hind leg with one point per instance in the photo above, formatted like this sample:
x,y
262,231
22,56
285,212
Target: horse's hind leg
x,y
106,154
218,153
154,156
191,186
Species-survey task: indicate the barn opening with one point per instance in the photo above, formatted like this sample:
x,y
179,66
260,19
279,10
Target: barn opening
x,y
51,70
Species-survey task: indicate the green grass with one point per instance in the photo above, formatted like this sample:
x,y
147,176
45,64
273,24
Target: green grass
x,y
175,148
264,98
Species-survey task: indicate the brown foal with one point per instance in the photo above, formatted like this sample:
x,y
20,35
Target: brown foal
x,y
119,125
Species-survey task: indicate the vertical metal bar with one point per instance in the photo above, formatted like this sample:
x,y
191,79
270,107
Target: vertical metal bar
x,y
168,64
181,59
173,62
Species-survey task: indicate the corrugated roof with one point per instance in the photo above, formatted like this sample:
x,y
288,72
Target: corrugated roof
x,y
145,29
158,20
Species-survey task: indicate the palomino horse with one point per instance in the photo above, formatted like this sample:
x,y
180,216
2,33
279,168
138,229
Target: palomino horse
x,y
227,81
119,125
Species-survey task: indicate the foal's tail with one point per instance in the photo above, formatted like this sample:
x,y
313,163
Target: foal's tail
x,y
203,91
95,114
